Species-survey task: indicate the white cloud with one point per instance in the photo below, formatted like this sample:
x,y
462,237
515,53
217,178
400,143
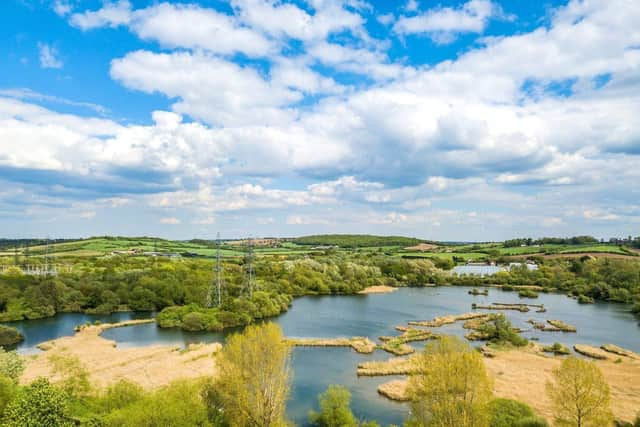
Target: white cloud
x,y
444,24
205,221
112,14
62,7
49,56
170,221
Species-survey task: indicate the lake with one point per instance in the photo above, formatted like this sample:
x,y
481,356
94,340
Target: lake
x,y
367,315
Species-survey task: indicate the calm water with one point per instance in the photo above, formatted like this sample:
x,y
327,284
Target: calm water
x,y
370,315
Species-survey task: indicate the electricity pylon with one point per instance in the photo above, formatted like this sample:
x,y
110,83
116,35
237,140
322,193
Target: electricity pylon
x,y
216,285
249,272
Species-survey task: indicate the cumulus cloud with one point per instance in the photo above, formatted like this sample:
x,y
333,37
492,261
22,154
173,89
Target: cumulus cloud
x,y
445,23
49,56
550,112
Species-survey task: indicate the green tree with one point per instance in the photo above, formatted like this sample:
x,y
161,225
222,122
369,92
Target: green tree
x,y
335,409
580,395
38,404
254,381
11,365
451,389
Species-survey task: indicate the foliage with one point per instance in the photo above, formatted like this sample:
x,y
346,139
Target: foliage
x,y
498,330
11,365
576,240
254,381
580,394
38,404
527,293
335,409
452,387
9,335
8,390
511,413
178,405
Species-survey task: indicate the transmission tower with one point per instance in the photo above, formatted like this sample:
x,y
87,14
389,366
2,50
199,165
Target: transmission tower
x,y
216,284
249,272
46,257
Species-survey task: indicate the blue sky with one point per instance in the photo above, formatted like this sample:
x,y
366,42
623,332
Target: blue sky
x,y
453,120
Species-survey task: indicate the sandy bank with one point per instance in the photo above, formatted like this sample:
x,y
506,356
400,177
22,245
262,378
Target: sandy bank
x,y
446,320
512,375
378,290
151,367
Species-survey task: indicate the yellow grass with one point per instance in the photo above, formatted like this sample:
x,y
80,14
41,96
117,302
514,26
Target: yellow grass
x,y
394,390
612,348
151,367
360,344
394,366
594,352
521,374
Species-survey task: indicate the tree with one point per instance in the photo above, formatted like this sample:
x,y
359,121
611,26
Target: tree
x,y
451,389
580,395
11,365
335,410
254,381
38,404
512,413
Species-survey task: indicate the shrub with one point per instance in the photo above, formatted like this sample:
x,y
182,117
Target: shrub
x,y
500,331
527,293
335,409
531,422
584,299
506,412
38,404
11,365
9,335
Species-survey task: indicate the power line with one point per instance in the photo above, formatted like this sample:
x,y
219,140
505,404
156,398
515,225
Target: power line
x,y
216,284
249,271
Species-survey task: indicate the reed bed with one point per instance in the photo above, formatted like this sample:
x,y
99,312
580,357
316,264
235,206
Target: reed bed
x,y
360,344
593,352
446,320
614,349
394,390
394,366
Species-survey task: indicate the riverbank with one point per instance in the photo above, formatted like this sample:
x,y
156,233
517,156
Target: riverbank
x,y
511,371
151,367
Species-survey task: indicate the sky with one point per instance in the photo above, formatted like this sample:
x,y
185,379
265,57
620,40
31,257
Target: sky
x,y
447,120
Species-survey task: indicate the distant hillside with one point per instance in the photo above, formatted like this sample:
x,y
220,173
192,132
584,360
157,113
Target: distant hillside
x,y
356,240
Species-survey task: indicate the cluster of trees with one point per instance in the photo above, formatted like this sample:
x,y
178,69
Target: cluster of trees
x,y
528,241
104,285
602,279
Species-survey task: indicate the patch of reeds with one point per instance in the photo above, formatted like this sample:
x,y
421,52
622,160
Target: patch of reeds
x,y
557,349
612,348
395,366
593,352
394,390
446,320
359,344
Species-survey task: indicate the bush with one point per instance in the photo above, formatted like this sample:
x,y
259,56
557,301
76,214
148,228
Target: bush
x,y
11,365
335,409
500,331
527,293
9,335
584,299
38,404
506,412
531,422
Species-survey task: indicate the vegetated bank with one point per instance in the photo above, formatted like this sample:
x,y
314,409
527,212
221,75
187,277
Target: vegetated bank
x,y
179,288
